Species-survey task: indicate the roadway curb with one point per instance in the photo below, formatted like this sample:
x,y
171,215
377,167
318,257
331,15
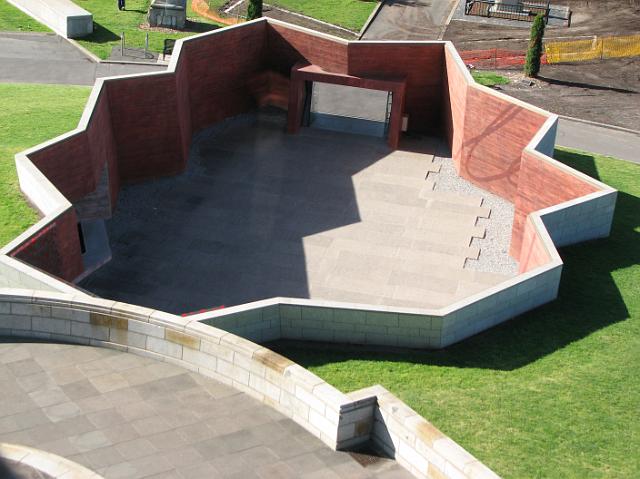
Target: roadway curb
x,y
601,125
371,18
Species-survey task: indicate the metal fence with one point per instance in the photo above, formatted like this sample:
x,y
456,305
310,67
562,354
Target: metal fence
x,y
597,48
524,11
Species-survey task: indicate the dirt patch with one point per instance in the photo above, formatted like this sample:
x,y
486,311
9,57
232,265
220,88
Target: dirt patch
x,y
606,92
590,17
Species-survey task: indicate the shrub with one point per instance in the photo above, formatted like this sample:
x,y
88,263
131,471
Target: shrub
x,y
254,10
534,52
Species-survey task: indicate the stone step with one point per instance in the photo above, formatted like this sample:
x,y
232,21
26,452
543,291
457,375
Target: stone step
x,y
459,208
451,197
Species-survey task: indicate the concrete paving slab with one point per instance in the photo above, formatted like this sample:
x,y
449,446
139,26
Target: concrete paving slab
x,y
244,439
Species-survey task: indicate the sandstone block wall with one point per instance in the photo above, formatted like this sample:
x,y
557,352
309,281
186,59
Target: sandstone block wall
x,y
340,420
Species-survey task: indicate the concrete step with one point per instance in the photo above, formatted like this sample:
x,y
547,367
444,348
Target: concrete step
x,y
458,208
450,197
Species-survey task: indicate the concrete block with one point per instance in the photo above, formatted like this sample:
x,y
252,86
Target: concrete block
x,y
50,325
263,386
310,400
8,321
30,309
349,316
87,330
62,16
381,319
128,338
164,348
414,321
290,312
146,329
233,372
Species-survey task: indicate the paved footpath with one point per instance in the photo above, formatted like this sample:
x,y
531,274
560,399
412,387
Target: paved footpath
x,y
125,416
597,139
48,58
411,20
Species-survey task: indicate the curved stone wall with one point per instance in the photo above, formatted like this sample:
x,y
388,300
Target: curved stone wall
x,y
339,420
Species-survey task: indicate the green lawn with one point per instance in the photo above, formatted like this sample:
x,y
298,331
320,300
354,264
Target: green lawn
x,y
488,78
13,20
30,114
553,393
109,23
351,14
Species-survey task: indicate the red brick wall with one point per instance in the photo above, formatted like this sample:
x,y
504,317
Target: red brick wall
x,y
422,67
495,132
102,145
144,115
454,101
219,67
55,248
184,106
69,166
541,185
287,47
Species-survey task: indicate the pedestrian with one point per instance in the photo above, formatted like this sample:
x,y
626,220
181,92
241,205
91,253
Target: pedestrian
x,y
120,4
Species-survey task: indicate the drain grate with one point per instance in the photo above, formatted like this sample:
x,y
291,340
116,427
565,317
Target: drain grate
x,y
366,457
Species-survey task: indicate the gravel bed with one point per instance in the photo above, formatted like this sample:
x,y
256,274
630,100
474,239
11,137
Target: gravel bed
x,y
494,247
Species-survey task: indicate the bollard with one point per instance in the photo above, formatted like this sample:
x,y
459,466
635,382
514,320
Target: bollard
x,y
122,45
146,44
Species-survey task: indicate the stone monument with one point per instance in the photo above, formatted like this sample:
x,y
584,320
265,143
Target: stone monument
x,y
168,13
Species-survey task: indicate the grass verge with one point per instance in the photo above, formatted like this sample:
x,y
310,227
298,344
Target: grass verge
x,y
351,14
109,23
30,114
488,78
14,20
552,393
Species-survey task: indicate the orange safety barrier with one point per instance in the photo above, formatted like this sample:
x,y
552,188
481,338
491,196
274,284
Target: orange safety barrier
x,y
496,58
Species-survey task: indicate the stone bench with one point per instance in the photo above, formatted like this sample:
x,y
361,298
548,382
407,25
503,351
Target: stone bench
x,y
62,16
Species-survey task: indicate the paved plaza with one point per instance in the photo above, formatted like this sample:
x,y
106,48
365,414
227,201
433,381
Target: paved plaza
x,y
320,215
126,416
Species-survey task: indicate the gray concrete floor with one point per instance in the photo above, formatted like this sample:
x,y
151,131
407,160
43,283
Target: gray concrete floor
x,y
125,416
318,215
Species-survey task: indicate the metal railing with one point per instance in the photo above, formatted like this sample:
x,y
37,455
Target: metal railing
x,y
524,11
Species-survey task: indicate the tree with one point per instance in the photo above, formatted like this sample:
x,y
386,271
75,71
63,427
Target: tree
x,y
534,52
254,10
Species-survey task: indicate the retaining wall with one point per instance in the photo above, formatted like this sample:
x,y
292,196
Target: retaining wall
x,y
339,420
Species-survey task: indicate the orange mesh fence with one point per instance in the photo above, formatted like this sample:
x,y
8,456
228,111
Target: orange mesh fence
x,y
495,58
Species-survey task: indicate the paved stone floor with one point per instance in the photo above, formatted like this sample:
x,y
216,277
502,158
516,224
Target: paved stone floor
x,y
320,215
126,416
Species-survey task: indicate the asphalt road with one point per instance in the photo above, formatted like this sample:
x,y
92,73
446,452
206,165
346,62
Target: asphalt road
x,y
48,58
